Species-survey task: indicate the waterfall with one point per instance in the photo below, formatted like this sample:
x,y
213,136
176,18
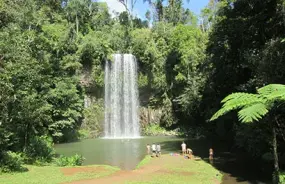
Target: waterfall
x,y
121,97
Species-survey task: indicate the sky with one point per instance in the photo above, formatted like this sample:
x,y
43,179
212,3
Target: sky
x,y
141,7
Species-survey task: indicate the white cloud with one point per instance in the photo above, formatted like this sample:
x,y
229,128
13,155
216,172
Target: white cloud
x,y
114,6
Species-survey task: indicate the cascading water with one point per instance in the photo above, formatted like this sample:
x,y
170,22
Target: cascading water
x,y
121,97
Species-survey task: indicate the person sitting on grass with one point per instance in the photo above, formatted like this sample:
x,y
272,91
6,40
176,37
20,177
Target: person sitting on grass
x,y
158,150
153,147
190,153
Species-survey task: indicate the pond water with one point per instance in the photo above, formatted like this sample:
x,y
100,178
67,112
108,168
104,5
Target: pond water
x,y
127,153
123,153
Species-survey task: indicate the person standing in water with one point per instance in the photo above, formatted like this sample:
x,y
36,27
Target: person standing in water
x,y
153,147
183,146
158,150
148,149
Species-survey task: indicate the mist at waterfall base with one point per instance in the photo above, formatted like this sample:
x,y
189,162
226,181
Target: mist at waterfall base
x,y
121,98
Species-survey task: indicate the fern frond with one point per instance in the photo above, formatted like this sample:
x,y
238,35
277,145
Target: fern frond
x,y
273,92
241,98
237,101
252,106
268,89
252,113
220,113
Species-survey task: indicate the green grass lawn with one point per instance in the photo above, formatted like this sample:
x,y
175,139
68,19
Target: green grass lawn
x,y
52,175
164,170
144,162
177,170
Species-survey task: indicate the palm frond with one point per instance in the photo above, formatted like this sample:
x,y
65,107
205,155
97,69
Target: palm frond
x,y
237,101
252,113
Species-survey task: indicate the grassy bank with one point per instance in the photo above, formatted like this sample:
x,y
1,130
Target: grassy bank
x,y
56,175
177,170
165,170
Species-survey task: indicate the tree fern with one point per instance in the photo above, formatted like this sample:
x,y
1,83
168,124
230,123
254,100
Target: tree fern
x,y
252,107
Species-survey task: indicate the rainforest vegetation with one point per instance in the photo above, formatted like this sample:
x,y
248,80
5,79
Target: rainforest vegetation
x,y
52,55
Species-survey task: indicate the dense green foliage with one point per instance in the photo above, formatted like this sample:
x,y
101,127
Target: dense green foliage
x,y
11,161
156,130
40,149
282,178
52,56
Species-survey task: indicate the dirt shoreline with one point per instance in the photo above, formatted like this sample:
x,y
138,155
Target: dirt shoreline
x,y
146,173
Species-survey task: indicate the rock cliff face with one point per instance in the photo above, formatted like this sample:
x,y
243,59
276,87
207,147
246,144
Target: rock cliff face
x,y
92,90
149,116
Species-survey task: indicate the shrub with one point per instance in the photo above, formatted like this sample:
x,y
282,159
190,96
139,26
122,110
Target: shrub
x,y
10,162
84,134
282,177
75,160
156,130
40,149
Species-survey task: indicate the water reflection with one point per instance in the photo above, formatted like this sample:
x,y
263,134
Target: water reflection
x,y
122,153
211,161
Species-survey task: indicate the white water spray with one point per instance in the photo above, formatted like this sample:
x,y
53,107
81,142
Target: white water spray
x,y
121,97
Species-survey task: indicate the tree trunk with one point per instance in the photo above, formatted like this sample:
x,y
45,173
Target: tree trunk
x,y
129,32
149,116
203,29
77,24
26,138
275,154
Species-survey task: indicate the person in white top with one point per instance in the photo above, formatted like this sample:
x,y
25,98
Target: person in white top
x,y
153,148
158,150
183,146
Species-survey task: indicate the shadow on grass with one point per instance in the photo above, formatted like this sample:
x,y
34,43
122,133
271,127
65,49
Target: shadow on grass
x,y
23,169
236,168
